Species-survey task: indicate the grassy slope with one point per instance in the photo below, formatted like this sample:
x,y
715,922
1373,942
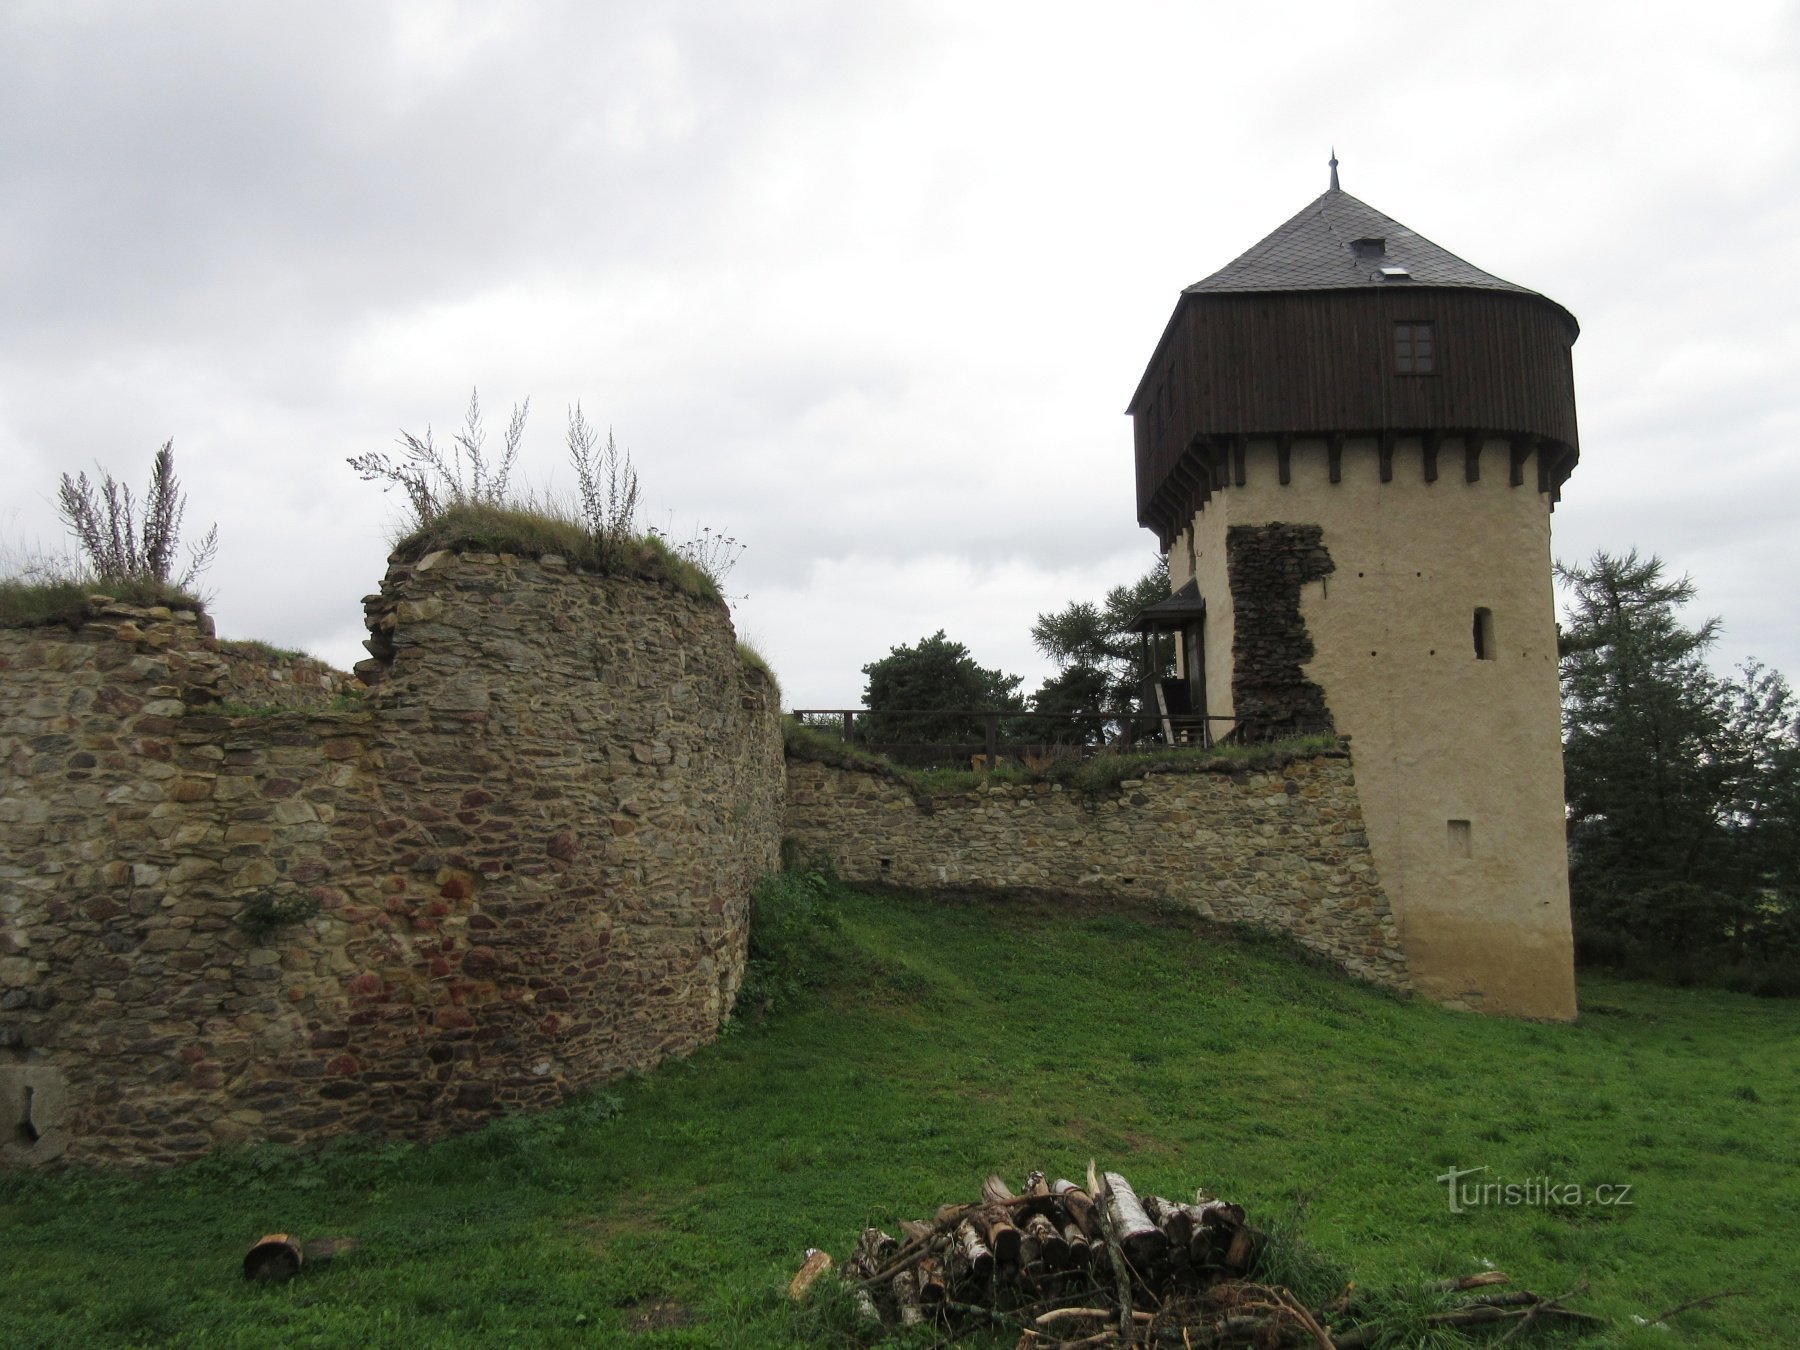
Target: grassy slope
x,y
989,1039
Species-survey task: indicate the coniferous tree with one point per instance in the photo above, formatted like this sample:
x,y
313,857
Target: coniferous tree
x,y
1680,784
1100,661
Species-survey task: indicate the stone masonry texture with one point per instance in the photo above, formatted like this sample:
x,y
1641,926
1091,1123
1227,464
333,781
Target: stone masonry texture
x,y
1280,847
518,866
1266,565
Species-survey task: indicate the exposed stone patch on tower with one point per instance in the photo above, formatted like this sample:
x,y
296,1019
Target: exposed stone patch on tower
x,y
1266,566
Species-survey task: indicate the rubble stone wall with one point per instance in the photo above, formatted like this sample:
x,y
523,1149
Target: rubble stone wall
x,y
521,865
1267,565
262,680
1280,847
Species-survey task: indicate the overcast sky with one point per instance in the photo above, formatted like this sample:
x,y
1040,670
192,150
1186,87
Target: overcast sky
x,y
866,285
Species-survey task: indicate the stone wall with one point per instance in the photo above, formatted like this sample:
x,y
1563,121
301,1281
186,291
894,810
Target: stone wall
x,y
521,866
1266,566
1281,847
261,678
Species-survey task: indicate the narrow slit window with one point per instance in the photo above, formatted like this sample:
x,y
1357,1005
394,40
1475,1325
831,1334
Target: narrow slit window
x,y
1460,838
27,1131
1484,635
1415,348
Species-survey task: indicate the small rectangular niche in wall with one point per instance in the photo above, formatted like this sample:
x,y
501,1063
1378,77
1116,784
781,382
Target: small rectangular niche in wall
x,y
1484,635
1460,838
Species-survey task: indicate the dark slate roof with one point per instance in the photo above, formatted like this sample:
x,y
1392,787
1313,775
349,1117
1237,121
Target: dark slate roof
x,y
1181,608
1313,252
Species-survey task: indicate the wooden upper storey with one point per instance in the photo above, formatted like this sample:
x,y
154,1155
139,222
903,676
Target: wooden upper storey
x,y
1331,349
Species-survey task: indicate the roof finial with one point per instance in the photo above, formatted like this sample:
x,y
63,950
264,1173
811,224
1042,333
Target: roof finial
x,y
1334,182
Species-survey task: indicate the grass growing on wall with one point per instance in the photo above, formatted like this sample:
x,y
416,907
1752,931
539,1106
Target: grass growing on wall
x,y
31,603
1095,774
925,1042
258,650
543,526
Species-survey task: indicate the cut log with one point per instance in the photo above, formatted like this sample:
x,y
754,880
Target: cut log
x,y
1003,1239
815,1265
1039,1199
877,1248
865,1306
1079,1247
930,1276
906,1298
1052,1250
975,1251
1217,1210
1241,1252
274,1257
1175,1220
1141,1239
1080,1207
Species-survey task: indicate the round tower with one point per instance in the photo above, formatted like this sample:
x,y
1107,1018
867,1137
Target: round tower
x,y
1350,441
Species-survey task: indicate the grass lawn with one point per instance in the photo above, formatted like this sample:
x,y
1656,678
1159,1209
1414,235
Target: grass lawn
x,y
957,1037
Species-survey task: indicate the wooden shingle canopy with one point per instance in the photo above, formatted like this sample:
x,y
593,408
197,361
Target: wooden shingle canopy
x,y
1296,338
1172,615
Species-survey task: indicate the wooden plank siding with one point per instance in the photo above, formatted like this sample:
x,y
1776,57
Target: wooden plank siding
x,y
1315,363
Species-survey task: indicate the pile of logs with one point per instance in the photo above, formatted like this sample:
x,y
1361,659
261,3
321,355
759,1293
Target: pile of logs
x,y
1069,1264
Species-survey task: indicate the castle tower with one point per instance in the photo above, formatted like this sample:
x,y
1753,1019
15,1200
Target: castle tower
x,y
1350,441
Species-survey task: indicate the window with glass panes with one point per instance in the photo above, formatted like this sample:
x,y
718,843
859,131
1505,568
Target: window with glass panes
x,y
1415,349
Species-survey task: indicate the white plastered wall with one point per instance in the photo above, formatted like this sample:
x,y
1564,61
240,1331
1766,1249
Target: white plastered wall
x,y
1438,736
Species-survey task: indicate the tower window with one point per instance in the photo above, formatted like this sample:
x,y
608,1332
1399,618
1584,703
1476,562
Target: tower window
x,y
1461,839
1484,635
1369,248
1415,348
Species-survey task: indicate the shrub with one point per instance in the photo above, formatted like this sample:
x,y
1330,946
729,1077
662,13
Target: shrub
x,y
793,925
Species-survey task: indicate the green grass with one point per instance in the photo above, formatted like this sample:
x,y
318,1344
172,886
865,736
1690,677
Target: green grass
x,y
28,603
549,526
755,660
1095,775
259,650
919,1043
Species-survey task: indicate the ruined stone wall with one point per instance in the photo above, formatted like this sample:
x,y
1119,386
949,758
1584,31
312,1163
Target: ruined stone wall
x,y
521,866
261,680
1280,847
